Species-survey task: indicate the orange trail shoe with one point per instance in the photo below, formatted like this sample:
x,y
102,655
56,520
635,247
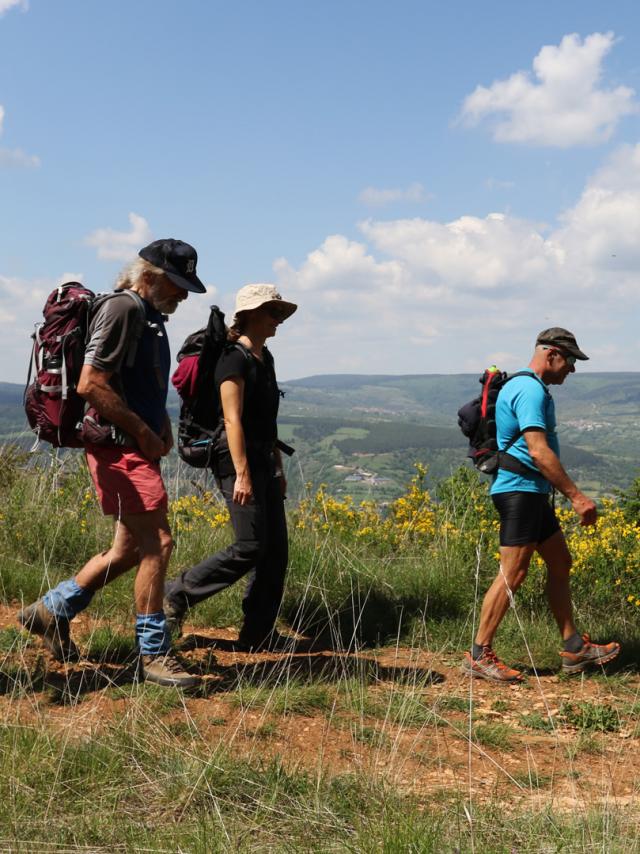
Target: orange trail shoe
x,y
591,655
489,666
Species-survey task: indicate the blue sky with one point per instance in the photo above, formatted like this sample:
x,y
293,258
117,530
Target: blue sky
x,y
433,183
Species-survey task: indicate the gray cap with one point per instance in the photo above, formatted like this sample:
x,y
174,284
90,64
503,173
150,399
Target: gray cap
x,y
561,338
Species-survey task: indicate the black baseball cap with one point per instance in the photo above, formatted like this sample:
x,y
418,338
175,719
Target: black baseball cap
x,y
561,338
178,260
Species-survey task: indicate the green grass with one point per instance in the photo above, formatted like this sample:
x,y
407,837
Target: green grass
x,y
162,773
536,721
110,645
595,717
136,787
288,699
494,735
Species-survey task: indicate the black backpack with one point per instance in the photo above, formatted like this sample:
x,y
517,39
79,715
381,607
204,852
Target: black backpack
x,y
200,423
477,420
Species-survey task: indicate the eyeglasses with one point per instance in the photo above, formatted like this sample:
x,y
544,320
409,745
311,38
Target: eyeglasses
x,y
569,359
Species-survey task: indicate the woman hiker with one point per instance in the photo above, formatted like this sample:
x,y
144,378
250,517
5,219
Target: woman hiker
x,y
248,469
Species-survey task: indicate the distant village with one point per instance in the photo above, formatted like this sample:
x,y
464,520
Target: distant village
x,y
359,475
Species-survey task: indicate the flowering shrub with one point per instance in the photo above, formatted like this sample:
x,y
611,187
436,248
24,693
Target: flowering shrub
x,y
408,519
188,512
606,556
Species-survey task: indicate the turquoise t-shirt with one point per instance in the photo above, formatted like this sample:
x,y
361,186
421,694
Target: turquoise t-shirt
x,y
522,403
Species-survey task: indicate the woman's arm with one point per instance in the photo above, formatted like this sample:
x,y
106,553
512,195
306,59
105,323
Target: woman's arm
x,y
232,398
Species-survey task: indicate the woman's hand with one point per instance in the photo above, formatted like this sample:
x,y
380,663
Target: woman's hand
x,y
243,489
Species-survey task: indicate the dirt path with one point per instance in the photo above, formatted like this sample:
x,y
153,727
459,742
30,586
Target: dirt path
x,y
402,714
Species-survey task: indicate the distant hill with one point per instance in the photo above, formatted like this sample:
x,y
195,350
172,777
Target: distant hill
x,y
362,434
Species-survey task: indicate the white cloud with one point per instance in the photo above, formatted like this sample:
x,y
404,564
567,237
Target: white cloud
x,y
16,157
5,5
562,105
115,245
374,197
416,295
600,233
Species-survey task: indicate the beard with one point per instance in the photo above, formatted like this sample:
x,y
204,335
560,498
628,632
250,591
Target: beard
x,y
163,304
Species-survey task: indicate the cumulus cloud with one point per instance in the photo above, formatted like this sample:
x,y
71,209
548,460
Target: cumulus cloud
x,y
562,104
5,5
417,295
376,198
113,245
600,233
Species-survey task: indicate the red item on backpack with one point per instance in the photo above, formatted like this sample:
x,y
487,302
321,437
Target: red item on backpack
x,y
185,377
53,406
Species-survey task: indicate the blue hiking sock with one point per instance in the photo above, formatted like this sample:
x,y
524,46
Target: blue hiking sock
x,y
152,634
574,643
67,599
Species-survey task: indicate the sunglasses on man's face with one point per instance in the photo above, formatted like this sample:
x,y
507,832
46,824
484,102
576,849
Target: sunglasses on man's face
x,y
569,359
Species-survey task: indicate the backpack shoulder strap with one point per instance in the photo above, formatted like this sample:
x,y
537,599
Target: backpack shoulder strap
x,y
247,354
141,323
533,376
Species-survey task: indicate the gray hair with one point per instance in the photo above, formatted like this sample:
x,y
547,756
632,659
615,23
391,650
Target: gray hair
x,y
133,272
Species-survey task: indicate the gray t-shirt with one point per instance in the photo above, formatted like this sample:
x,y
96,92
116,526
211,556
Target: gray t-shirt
x,y
113,330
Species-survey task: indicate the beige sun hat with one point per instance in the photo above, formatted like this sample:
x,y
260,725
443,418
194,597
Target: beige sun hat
x,y
253,296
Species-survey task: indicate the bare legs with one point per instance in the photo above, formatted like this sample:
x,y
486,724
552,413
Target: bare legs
x,y
139,538
514,565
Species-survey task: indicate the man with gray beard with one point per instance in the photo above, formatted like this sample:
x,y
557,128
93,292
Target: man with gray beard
x,y
126,431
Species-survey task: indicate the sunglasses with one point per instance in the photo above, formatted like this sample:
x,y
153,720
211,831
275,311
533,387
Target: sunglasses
x,y
276,312
569,359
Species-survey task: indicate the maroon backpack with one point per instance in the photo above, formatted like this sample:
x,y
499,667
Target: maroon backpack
x,y
53,406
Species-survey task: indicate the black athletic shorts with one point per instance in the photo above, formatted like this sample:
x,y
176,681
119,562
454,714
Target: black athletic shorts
x,y
525,517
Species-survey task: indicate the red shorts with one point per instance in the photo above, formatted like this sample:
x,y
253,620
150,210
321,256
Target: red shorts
x,y
125,480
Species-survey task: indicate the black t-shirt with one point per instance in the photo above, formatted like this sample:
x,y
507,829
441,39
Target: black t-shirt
x,y
261,395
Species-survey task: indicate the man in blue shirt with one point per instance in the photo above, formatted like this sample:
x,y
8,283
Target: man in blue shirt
x,y
530,469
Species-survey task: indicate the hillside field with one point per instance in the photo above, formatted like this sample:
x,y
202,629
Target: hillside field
x,y
361,435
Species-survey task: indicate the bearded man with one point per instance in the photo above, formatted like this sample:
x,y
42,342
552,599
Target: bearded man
x,y
126,432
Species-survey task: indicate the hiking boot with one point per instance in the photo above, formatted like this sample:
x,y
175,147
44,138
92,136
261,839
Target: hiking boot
x,y
165,669
175,616
591,655
489,666
54,631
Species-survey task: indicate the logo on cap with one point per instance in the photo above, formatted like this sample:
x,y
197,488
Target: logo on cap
x,y
191,266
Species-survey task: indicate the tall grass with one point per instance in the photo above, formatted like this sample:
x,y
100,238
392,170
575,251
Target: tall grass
x,y
397,753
